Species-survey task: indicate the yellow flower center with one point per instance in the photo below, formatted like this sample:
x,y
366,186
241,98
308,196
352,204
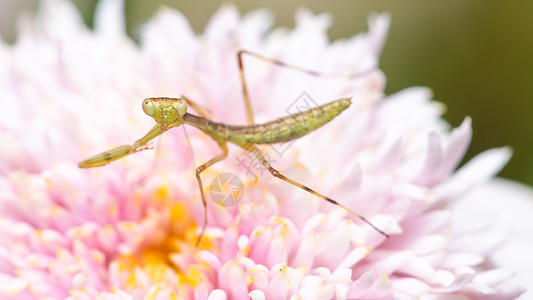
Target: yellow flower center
x,y
166,258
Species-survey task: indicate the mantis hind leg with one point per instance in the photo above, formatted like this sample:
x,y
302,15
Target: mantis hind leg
x,y
199,170
247,103
261,158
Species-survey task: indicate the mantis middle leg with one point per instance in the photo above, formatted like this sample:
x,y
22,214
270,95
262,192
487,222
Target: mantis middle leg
x,y
199,170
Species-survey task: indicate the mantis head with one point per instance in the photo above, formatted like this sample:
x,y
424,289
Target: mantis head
x,y
167,112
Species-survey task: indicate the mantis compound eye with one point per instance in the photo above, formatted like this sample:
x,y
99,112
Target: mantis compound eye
x,y
181,107
148,107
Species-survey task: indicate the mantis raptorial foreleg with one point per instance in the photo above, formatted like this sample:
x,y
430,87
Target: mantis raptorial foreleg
x,y
119,152
199,170
261,158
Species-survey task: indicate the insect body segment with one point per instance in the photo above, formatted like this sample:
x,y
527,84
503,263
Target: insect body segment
x,y
292,126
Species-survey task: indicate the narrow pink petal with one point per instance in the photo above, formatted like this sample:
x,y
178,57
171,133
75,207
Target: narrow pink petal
x,y
412,286
260,276
460,282
46,289
104,296
222,23
478,170
362,285
107,238
378,30
218,294
370,285
163,294
455,260
278,287
393,261
418,268
353,180
109,18
210,258
10,285
328,256
305,254
257,295
493,277
60,19
314,287
429,244
458,143
231,279
433,160
389,161
353,257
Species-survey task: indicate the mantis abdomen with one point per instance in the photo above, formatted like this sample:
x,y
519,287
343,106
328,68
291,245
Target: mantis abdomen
x,y
281,130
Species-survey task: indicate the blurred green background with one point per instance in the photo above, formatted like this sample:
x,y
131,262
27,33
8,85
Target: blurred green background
x,y
476,55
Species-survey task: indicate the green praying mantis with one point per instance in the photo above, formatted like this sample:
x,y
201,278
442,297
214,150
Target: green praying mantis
x,y
172,112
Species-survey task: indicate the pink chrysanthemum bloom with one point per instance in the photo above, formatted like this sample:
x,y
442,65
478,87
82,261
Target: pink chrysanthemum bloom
x,y
126,230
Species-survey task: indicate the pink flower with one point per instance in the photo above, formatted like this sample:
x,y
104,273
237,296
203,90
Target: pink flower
x,y
125,230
